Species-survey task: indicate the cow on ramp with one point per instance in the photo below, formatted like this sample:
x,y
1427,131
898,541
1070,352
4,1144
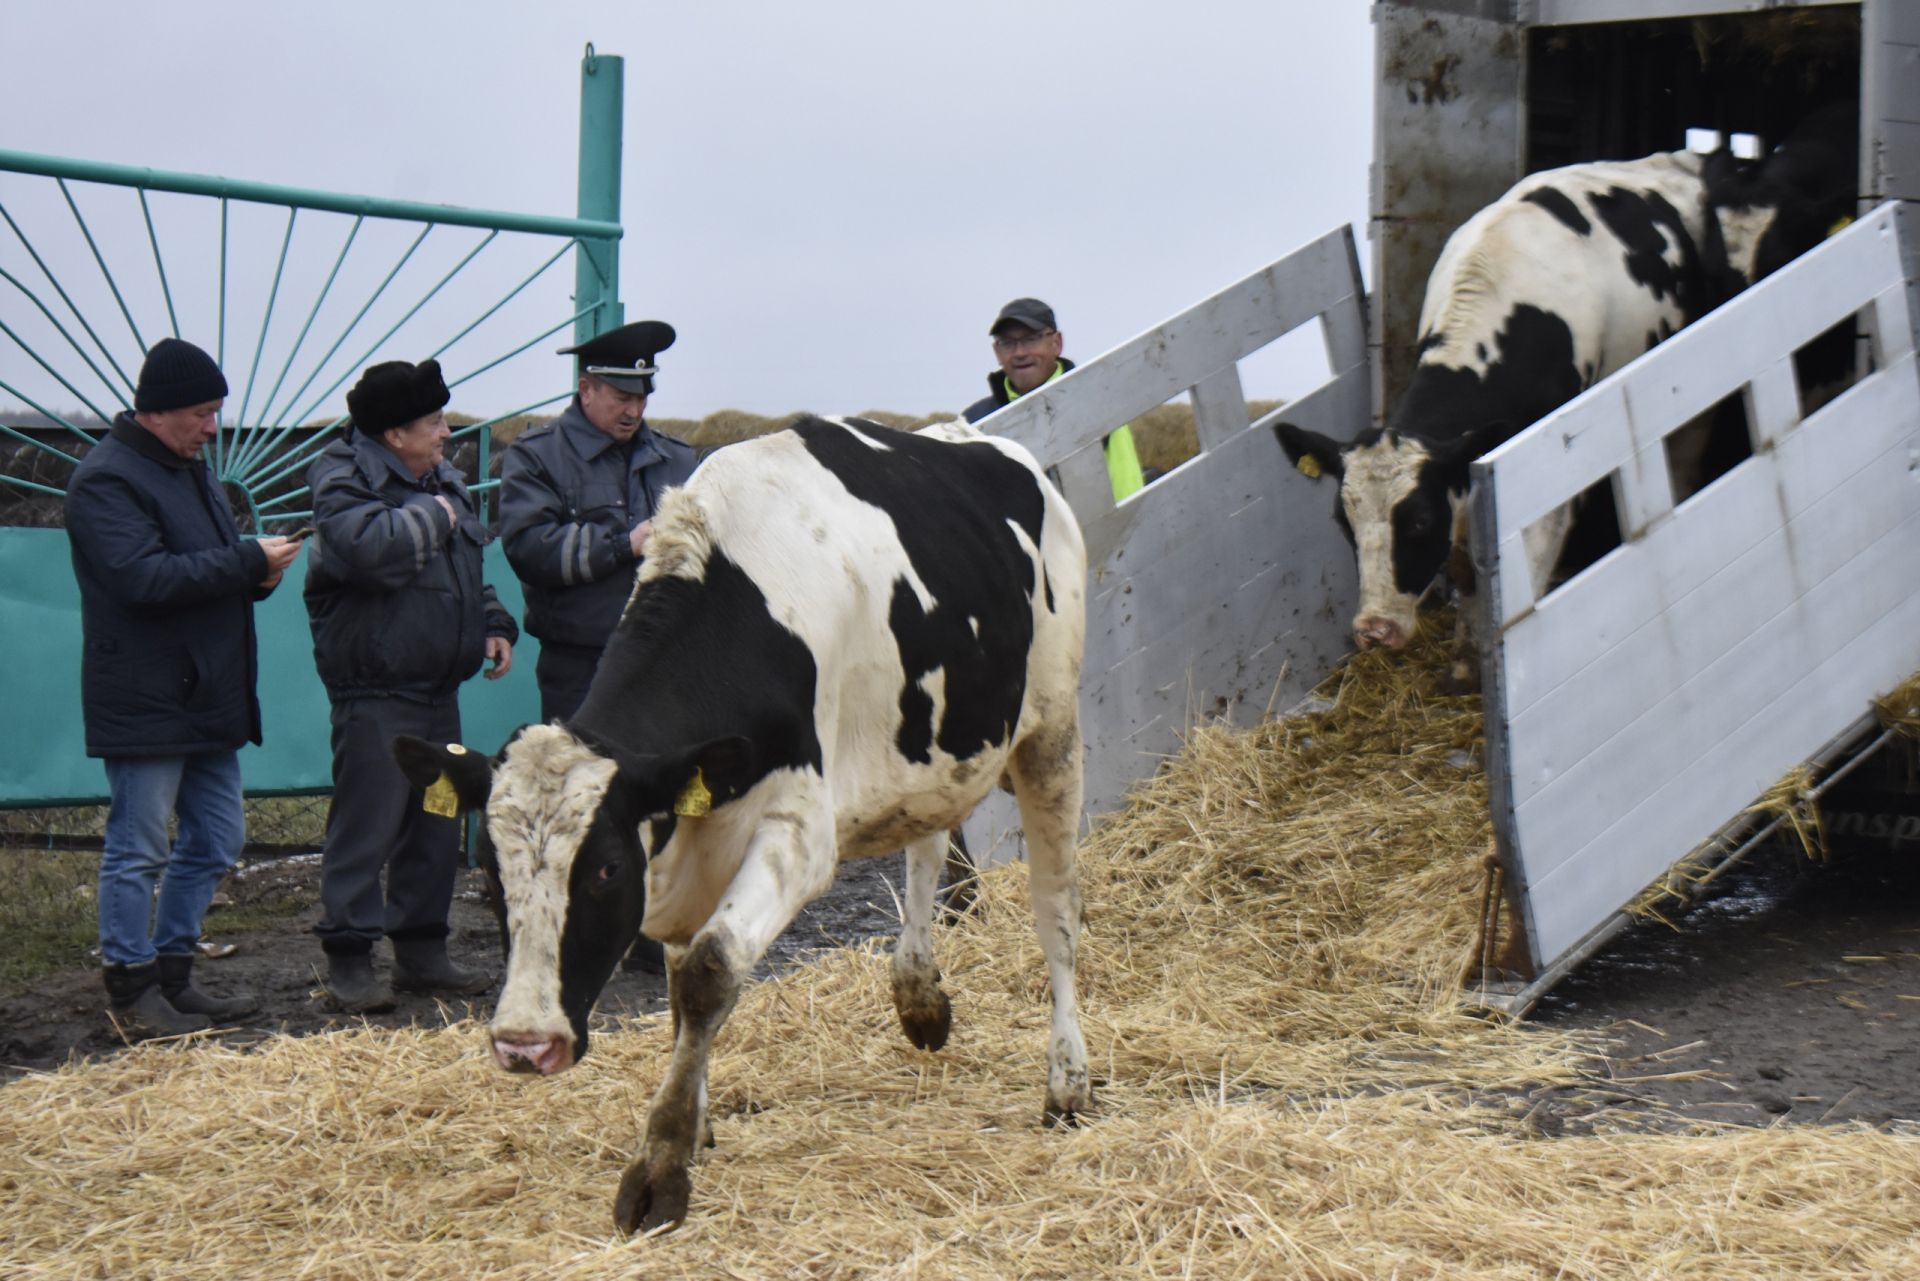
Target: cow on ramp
x,y
1564,279
841,639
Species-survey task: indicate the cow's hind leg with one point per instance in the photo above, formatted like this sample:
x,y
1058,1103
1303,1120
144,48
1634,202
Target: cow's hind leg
x,y
1046,781
925,1014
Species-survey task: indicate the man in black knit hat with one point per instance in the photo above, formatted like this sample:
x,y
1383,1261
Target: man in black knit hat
x,y
167,672
400,620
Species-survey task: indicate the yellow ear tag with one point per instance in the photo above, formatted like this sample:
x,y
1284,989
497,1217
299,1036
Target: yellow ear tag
x,y
441,799
1839,226
1309,466
694,800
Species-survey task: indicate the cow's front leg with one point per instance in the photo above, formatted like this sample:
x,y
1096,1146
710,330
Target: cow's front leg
x,y
703,986
925,1013
788,862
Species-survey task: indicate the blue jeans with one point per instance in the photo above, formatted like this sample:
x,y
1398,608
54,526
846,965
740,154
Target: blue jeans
x,y
204,791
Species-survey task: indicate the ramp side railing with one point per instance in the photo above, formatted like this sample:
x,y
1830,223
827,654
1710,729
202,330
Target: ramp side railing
x,y
1651,698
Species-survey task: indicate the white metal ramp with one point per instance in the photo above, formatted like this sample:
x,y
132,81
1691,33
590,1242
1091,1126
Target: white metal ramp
x,y
1223,589
1648,700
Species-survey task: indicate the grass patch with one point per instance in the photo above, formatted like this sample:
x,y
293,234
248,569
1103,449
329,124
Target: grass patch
x,y
50,922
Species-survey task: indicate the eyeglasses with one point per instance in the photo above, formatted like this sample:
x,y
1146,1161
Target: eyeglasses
x,y
1025,342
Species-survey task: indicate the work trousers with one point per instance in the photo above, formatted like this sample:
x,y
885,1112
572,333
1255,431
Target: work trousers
x,y
376,824
204,792
564,672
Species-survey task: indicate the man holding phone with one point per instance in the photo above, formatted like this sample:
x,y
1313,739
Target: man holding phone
x,y
167,673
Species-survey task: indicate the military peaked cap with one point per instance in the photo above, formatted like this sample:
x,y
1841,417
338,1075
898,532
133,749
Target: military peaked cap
x,y
625,356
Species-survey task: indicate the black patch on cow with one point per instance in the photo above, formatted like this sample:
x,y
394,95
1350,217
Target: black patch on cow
x,y
1561,206
692,662
954,507
1459,414
689,664
1638,220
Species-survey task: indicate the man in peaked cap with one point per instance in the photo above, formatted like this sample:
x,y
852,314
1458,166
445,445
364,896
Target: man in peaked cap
x,y
401,618
1028,344
577,498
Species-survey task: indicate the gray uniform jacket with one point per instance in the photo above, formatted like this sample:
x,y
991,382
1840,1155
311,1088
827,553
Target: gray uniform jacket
x,y
569,495
394,591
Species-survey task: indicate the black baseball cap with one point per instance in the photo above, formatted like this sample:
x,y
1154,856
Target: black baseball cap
x,y
1031,312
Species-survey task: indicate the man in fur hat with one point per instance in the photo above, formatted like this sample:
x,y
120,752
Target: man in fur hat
x,y
400,620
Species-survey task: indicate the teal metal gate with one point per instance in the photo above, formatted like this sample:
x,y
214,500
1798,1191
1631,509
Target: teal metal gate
x,y
274,424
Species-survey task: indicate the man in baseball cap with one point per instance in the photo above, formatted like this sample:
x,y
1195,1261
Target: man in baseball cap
x,y
1027,342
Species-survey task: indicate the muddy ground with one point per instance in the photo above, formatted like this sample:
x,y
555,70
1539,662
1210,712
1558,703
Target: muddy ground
x,y
1794,994
63,1016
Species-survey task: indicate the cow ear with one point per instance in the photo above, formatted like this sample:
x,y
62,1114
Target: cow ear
x,y
424,764
1315,455
1473,443
726,765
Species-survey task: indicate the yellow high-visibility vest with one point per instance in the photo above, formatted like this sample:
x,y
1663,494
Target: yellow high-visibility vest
x,y
1123,460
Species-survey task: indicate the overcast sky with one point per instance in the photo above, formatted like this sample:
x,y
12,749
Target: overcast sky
x,y
829,200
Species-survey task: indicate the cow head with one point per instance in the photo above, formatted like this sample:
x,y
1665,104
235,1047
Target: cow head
x,y
1775,209
1397,502
570,827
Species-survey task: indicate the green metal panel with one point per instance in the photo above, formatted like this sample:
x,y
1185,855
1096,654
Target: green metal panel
x,y
597,265
43,757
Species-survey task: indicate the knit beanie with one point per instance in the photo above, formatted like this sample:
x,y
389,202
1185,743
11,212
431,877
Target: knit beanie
x,y
175,375
394,393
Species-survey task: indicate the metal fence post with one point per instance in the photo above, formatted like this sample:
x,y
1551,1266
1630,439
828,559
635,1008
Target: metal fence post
x,y
597,263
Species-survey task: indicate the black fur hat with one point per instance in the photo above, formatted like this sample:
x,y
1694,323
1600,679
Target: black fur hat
x,y
394,393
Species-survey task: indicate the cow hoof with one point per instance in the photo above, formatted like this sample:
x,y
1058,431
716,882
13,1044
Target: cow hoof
x,y
646,1203
1056,1117
927,1023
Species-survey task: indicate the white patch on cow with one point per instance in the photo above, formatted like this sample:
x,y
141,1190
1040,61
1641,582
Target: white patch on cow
x,y
546,791
679,545
1376,478
1515,252
858,432
1743,230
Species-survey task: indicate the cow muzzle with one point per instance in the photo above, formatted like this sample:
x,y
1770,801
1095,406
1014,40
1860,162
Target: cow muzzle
x,y
532,1052
1371,631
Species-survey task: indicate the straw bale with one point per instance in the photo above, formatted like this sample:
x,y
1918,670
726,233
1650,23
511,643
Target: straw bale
x,y
1286,1087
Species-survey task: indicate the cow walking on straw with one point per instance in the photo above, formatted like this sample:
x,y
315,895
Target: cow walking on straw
x,y
841,639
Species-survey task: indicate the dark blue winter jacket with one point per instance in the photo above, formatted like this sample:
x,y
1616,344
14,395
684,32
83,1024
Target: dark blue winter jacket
x,y
167,587
569,497
394,591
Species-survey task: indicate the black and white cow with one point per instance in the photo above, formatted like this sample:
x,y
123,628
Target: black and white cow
x,y
842,638
1568,276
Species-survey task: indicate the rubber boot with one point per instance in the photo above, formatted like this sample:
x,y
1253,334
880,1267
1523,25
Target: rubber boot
x,y
141,1008
353,985
423,966
176,981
